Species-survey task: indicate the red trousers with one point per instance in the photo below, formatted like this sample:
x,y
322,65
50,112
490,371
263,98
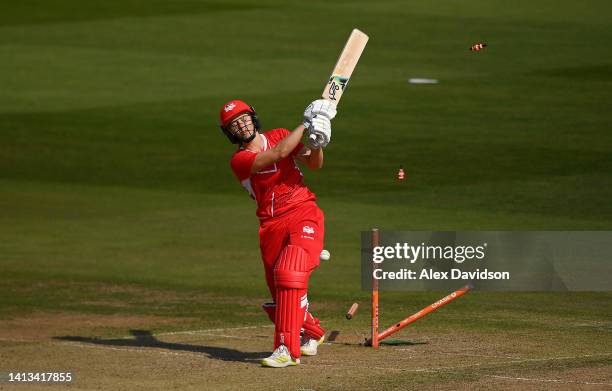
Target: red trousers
x,y
302,227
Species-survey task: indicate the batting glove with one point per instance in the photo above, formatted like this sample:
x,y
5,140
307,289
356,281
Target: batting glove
x,y
319,132
319,107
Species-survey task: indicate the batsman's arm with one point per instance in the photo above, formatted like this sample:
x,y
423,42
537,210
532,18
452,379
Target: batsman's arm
x,y
279,151
313,158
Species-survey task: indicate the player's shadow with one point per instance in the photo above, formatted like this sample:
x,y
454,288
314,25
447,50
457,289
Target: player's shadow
x,y
144,339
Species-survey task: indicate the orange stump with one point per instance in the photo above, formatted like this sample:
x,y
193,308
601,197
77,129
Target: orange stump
x,y
374,339
430,308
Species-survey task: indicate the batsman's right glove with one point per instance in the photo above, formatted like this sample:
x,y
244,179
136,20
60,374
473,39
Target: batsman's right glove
x,y
319,132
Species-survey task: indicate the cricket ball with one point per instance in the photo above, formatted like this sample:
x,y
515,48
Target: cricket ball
x,y
325,255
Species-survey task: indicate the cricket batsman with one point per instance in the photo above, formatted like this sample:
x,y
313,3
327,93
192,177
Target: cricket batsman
x,y
291,224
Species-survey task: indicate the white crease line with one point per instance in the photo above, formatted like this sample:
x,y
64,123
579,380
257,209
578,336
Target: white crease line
x,y
549,380
18,340
147,350
565,358
438,369
204,331
158,350
512,362
225,336
456,354
478,355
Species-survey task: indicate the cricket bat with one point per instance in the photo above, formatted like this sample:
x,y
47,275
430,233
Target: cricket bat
x,y
344,67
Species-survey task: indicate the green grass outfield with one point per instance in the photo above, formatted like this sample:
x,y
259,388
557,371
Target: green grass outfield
x,y
114,178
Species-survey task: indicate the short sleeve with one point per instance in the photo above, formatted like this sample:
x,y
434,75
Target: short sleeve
x,y
242,163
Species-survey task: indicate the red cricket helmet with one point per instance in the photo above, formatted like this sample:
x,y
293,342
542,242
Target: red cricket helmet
x,y
231,110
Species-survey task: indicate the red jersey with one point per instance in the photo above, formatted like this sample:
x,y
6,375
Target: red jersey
x,y
277,188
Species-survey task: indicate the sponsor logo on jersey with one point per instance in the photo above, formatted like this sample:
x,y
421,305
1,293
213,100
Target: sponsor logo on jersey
x,y
308,229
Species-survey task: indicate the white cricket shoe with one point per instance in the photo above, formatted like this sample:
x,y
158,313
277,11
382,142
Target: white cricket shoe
x,y
309,346
280,358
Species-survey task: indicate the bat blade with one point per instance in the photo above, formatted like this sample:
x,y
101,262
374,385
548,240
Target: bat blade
x,y
345,66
